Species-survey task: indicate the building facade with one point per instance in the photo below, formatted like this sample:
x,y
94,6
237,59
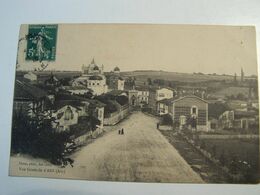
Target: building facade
x,y
93,78
115,81
190,112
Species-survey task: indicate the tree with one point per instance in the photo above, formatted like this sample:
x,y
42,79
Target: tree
x,y
122,100
167,119
222,158
149,81
216,109
214,150
36,136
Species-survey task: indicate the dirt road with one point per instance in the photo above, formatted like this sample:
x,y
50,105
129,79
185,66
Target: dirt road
x,y
141,154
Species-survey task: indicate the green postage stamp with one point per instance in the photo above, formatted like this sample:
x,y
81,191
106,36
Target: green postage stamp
x,y
41,42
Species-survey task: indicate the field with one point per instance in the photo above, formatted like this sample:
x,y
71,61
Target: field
x,y
244,150
233,91
174,76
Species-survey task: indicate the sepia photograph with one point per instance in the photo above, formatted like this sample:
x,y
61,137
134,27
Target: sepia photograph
x,y
136,103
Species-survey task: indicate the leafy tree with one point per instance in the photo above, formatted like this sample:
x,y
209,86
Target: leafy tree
x,y
149,81
36,136
222,158
216,109
122,100
214,150
167,119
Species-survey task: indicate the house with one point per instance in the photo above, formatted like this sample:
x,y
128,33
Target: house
x,y
163,106
189,111
30,76
238,119
239,105
245,119
65,116
77,90
93,78
156,95
52,81
142,95
83,107
28,98
226,119
163,93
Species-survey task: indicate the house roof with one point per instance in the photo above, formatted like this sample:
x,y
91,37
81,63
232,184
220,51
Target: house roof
x,y
74,103
142,88
95,78
116,92
245,114
175,99
78,87
76,98
167,101
24,90
191,96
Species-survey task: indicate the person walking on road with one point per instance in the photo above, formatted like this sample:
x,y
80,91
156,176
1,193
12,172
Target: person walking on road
x,y
122,131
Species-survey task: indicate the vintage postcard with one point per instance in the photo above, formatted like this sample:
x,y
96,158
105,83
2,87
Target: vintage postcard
x,y
136,103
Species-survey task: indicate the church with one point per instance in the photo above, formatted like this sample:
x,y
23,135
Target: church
x,y
93,78
115,81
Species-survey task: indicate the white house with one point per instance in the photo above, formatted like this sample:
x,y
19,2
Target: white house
x,y
78,90
30,76
93,78
65,117
163,93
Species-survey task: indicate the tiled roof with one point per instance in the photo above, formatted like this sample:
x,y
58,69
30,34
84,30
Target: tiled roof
x,y
24,90
116,92
76,98
167,101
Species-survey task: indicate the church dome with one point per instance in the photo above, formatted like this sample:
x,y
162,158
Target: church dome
x,y
116,69
96,68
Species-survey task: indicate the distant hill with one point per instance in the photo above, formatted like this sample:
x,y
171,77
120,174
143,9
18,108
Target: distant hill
x,y
175,76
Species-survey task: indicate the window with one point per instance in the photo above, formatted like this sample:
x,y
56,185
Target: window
x,y
194,110
161,95
68,114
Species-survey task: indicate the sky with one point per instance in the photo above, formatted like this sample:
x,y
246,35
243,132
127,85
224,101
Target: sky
x,y
174,48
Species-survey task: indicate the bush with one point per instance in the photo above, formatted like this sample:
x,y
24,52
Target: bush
x,y
167,120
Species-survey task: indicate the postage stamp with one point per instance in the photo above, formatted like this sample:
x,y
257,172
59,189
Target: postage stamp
x,y
41,42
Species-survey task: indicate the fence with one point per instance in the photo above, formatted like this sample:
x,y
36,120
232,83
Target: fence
x,y
116,117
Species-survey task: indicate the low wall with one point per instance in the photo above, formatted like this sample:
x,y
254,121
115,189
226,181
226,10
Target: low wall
x,y
240,136
116,117
165,127
83,139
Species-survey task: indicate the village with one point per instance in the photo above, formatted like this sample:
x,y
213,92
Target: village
x,y
204,116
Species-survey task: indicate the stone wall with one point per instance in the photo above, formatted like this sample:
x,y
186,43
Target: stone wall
x,y
116,117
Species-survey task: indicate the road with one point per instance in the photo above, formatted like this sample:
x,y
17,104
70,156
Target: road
x,y
142,154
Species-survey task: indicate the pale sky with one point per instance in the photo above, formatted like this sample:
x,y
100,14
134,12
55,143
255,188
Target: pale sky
x,y
175,48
